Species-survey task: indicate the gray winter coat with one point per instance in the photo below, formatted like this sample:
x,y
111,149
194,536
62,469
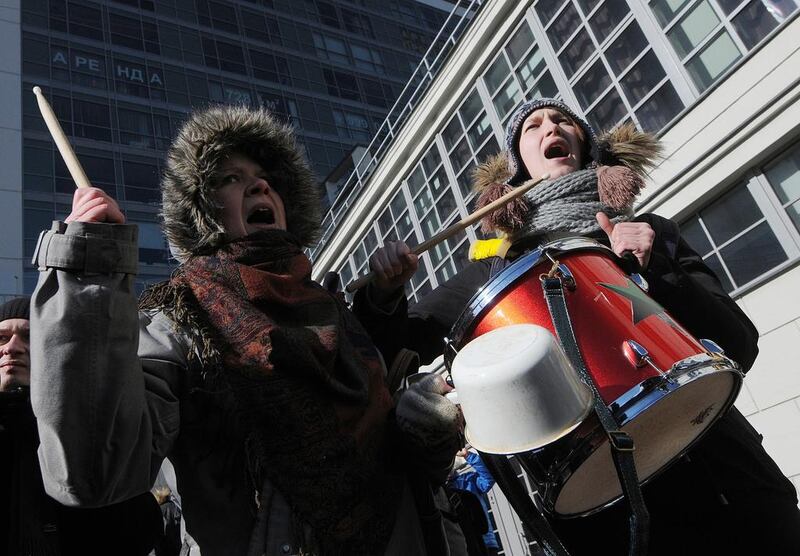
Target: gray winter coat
x,y
117,398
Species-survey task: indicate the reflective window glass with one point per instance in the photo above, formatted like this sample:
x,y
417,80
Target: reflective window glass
x,y
564,26
576,53
460,155
547,9
592,84
626,48
784,175
660,108
531,68
498,72
665,10
607,112
608,17
713,262
642,78
519,43
732,213
693,28
694,235
753,254
507,98
470,108
452,132
754,23
713,60
479,132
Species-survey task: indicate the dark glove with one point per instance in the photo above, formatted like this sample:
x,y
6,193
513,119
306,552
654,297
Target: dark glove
x,y
432,425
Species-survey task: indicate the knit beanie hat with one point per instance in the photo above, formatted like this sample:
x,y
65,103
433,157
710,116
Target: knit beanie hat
x,y
620,157
17,308
191,213
514,129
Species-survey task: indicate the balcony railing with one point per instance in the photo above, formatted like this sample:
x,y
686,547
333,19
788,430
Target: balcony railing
x,y
458,21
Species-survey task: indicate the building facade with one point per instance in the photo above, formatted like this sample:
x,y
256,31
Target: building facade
x,y
122,76
717,79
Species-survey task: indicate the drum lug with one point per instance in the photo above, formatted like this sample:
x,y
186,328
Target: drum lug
x,y
636,353
711,346
639,280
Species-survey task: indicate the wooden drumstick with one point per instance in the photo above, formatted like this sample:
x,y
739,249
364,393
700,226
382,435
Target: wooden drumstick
x,y
454,229
74,167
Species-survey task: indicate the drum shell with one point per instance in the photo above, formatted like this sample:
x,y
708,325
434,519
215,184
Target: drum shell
x,y
665,400
601,342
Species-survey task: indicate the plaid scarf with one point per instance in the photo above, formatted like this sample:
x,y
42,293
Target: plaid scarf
x,y
308,384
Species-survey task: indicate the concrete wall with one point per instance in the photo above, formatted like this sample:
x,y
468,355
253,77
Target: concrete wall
x,y
744,121
10,149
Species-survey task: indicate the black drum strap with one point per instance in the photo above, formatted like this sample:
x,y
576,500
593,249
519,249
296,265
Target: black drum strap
x,y
529,514
621,443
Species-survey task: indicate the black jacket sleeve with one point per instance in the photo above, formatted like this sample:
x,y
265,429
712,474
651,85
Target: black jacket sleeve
x,y
423,326
682,283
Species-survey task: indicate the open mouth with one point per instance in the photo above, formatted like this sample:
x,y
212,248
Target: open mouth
x,y
556,150
262,216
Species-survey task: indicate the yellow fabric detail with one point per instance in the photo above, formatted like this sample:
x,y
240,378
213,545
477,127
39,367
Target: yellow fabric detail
x,y
485,248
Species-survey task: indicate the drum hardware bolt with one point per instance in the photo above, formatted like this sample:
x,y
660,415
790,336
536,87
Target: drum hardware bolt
x,y
639,280
636,353
561,270
712,347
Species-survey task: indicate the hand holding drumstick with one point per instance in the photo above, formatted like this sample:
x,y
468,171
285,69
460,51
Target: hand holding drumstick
x,y
89,204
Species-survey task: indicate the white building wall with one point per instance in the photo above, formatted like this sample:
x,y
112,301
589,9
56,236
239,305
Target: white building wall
x,y
744,121
10,150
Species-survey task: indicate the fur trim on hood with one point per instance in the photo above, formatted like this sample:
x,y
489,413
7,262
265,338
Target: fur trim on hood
x,y
625,156
192,216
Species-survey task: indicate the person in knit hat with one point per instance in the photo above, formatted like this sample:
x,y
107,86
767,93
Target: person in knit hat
x,y
32,523
726,496
261,387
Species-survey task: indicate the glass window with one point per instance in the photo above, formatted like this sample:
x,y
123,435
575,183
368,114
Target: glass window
x,y
452,132
731,214
509,97
479,132
592,84
520,43
642,78
660,108
693,28
608,17
431,160
665,10
784,177
85,22
713,60
547,9
754,23
564,26
607,112
576,53
471,108
695,236
533,66
92,120
626,48
753,254
498,72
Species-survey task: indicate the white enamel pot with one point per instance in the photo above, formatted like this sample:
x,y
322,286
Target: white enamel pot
x,y
517,390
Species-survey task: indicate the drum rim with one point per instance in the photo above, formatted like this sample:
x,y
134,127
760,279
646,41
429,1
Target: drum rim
x,y
479,302
628,407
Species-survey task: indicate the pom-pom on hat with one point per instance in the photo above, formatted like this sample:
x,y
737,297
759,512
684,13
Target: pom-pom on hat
x,y
17,308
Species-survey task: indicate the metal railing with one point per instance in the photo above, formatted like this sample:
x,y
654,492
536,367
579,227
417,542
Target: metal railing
x,y
457,22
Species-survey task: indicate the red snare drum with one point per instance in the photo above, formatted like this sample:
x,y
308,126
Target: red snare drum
x,y
663,386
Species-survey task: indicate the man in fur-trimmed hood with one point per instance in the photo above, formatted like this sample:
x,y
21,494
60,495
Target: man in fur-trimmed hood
x,y
261,387
727,496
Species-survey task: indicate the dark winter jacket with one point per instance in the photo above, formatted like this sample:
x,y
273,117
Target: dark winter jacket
x,y
727,478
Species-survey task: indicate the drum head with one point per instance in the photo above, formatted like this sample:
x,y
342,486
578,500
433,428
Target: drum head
x,y
661,433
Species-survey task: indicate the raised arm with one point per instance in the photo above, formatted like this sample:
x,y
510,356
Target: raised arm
x,y
105,421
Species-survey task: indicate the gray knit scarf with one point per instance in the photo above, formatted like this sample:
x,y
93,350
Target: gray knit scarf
x,y
566,204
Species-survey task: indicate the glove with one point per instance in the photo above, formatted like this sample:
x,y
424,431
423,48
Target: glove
x,y
432,425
